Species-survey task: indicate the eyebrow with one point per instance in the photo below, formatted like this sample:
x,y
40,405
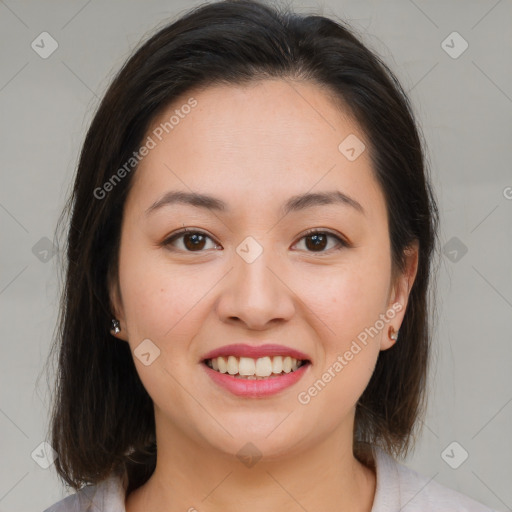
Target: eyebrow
x,y
294,204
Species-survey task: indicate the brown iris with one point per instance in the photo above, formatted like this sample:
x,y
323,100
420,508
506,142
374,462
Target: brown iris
x,y
193,241
318,241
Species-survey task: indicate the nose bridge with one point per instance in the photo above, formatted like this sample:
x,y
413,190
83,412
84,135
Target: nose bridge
x,y
254,260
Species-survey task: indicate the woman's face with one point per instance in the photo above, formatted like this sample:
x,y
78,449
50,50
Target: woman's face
x,y
249,273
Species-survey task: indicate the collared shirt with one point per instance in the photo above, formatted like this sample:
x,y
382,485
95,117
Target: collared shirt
x,y
398,489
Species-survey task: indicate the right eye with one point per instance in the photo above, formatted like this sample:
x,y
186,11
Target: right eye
x,y
191,240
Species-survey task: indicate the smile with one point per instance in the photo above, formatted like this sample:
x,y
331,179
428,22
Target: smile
x,y
249,377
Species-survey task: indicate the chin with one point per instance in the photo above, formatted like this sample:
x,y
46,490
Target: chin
x,y
256,440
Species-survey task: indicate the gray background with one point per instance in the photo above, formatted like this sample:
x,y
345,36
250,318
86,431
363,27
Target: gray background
x,y
464,106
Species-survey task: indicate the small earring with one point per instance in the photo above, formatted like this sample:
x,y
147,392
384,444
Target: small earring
x,y
394,335
115,326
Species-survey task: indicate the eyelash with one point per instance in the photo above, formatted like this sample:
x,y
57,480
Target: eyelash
x,y
342,244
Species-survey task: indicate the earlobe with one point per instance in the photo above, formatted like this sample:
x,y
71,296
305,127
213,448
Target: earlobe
x,y
389,339
117,331
116,327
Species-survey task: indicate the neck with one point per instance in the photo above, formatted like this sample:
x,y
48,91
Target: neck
x,y
193,477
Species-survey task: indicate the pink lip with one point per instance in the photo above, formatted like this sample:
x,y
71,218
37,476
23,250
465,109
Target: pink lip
x,y
256,388
242,350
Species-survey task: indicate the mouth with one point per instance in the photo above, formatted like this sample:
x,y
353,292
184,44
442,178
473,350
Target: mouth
x,y
262,368
264,377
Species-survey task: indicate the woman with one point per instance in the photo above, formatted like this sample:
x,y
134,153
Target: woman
x,y
251,227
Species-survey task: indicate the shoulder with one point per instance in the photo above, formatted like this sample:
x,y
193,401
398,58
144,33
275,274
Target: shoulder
x,y
402,488
107,496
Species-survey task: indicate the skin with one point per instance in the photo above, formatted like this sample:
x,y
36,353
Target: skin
x,y
255,147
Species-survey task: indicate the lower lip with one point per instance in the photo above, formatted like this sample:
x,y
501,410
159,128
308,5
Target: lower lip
x,y
256,388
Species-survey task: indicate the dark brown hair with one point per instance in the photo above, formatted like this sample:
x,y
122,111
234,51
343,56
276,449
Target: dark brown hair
x,y
102,419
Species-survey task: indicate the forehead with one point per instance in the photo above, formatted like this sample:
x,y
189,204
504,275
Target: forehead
x,y
263,141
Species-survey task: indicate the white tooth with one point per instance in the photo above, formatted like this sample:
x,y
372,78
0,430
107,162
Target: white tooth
x,y
263,366
232,365
223,366
277,364
246,366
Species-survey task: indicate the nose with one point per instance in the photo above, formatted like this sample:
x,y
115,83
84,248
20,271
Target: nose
x,y
256,293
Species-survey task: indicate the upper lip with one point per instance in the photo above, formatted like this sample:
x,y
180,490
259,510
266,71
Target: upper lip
x,y
243,350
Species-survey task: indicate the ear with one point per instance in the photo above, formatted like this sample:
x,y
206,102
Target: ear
x,y
116,306
399,294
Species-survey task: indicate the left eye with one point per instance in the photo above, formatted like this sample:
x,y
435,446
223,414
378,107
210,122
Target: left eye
x,y
317,240
195,241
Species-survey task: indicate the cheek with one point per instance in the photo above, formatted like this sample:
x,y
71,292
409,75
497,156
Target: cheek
x,y
159,302
157,297
347,298
345,304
